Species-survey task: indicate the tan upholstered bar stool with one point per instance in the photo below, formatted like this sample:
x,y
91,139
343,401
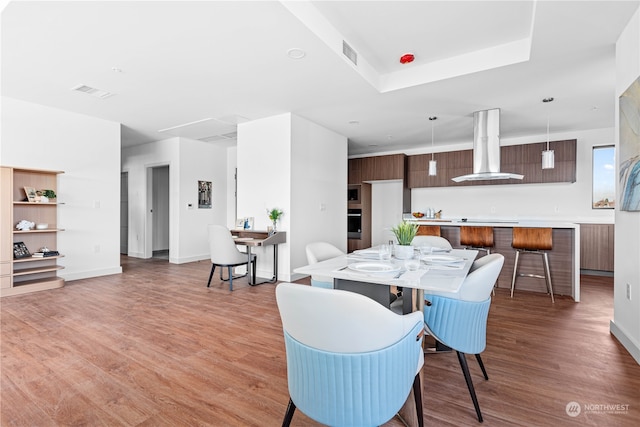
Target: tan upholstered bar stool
x,y
428,230
479,238
533,241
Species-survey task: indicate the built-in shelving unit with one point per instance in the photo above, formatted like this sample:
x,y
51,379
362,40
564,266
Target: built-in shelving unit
x,y
24,275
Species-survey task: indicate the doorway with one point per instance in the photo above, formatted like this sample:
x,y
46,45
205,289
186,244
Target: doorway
x,y
124,213
159,212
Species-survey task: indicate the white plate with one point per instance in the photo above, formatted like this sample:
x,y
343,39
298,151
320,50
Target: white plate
x,y
374,267
442,259
367,253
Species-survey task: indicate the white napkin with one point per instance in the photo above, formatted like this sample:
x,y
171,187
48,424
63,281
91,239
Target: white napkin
x,y
452,266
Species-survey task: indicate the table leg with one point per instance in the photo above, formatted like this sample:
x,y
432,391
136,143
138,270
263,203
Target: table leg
x,y
249,265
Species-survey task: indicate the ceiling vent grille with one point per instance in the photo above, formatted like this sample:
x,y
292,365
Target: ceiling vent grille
x,y
349,52
102,94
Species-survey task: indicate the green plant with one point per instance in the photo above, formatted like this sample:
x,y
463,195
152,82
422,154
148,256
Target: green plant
x,y
405,232
274,214
50,194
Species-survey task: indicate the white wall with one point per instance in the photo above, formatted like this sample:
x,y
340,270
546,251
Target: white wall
x,y
318,188
561,201
88,151
189,161
290,163
626,319
386,209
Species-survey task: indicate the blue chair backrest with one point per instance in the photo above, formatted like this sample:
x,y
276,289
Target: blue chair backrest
x,y
461,325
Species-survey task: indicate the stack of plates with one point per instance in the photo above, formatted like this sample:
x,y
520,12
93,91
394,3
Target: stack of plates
x,y
371,253
374,267
445,260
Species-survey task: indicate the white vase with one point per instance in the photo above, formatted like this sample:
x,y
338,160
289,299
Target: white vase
x,y
403,252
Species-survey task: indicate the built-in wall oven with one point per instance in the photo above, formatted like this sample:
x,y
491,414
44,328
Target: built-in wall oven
x,y
354,223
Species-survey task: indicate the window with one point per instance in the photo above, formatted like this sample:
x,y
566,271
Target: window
x,y
604,189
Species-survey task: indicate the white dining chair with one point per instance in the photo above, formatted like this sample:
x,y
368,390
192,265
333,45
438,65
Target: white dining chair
x,y
431,241
225,253
317,252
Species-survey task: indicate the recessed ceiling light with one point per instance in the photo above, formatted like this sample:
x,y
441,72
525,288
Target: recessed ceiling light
x,y
296,53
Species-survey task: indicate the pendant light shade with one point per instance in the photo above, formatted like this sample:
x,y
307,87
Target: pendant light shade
x,y
433,167
548,156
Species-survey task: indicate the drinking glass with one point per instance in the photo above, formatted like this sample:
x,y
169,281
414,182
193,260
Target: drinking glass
x,y
385,252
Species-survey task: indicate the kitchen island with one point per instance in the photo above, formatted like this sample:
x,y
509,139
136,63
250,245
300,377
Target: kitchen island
x,y
564,258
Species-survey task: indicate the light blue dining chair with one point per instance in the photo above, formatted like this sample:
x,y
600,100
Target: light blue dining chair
x,y
350,361
459,320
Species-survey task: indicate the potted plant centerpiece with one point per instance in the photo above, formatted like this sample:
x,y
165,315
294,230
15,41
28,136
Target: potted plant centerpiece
x,y
404,232
274,215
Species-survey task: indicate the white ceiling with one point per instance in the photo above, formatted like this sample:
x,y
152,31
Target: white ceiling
x,y
215,64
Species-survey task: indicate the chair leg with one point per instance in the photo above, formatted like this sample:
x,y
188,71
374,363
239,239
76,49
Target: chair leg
x,y
213,267
417,395
515,272
230,278
484,371
467,377
289,414
547,275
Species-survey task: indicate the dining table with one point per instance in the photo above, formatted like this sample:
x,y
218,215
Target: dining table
x,y
439,271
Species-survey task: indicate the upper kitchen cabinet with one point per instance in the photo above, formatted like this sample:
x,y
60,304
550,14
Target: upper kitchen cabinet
x,y
521,159
377,168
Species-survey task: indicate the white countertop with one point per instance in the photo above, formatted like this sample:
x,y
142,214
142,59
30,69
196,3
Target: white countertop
x,y
496,223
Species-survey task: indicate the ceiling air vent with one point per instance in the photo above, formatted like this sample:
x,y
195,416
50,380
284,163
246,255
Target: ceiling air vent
x,y
349,52
102,94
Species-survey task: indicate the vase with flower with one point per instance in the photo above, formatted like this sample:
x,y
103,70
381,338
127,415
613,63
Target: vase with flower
x,y
274,215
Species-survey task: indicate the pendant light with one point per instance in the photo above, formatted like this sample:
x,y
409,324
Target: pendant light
x,y
433,168
548,156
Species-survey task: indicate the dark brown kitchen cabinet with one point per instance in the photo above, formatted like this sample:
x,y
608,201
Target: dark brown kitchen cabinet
x,y
377,168
597,247
523,159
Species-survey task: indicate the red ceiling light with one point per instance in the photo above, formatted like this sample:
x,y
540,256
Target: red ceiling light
x,y
407,58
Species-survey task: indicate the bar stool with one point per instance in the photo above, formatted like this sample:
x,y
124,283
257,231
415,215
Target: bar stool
x,y
479,238
533,241
428,230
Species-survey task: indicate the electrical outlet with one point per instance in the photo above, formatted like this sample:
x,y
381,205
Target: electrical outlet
x,y
629,292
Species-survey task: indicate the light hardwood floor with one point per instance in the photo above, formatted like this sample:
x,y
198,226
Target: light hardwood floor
x,y
154,347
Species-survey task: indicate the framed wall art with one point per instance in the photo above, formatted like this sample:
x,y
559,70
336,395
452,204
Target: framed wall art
x,y
630,148
31,194
204,194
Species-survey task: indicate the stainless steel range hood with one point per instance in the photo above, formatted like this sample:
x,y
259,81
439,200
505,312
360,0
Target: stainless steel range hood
x,y
486,148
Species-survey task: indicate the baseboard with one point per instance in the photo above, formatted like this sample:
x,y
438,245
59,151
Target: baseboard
x,y
627,341
91,273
